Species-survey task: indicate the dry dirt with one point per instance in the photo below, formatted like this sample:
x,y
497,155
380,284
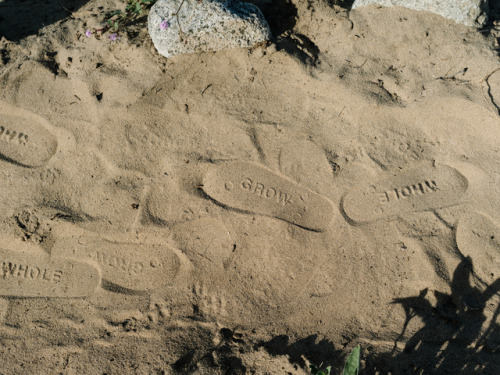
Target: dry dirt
x,y
249,211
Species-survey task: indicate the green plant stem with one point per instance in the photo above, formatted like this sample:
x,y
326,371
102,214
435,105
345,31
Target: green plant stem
x,y
181,34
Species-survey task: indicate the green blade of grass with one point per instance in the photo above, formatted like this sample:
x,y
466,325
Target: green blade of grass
x,y
352,364
315,370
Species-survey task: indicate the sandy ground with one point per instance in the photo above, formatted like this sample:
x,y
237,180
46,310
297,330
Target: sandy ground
x,y
249,211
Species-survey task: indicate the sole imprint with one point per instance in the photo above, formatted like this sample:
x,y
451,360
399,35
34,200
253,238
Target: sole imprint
x,y
25,141
479,238
27,274
137,267
249,187
414,190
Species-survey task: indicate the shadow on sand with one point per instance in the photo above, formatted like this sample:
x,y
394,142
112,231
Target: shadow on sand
x,y
21,18
458,337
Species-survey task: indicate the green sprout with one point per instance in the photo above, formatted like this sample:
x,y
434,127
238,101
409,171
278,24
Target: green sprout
x,y
315,370
133,10
116,20
351,366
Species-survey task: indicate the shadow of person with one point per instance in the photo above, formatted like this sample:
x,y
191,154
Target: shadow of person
x,y
454,338
21,18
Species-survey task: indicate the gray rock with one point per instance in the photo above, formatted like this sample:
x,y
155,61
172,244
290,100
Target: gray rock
x,y
207,25
467,12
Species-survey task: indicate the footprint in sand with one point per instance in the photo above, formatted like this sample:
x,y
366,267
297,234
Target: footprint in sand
x,y
30,273
23,139
419,189
168,204
209,303
206,242
478,197
479,238
248,187
397,145
308,167
85,180
138,267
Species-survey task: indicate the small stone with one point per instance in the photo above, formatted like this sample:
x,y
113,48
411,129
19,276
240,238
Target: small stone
x,y
208,25
467,12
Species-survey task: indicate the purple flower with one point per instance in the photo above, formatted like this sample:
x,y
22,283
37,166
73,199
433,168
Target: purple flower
x,y
114,36
88,33
164,24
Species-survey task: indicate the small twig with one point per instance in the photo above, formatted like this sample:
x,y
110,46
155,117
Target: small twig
x,y
453,77
341,112
205,89
485,79
181,33
69,11
358,67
